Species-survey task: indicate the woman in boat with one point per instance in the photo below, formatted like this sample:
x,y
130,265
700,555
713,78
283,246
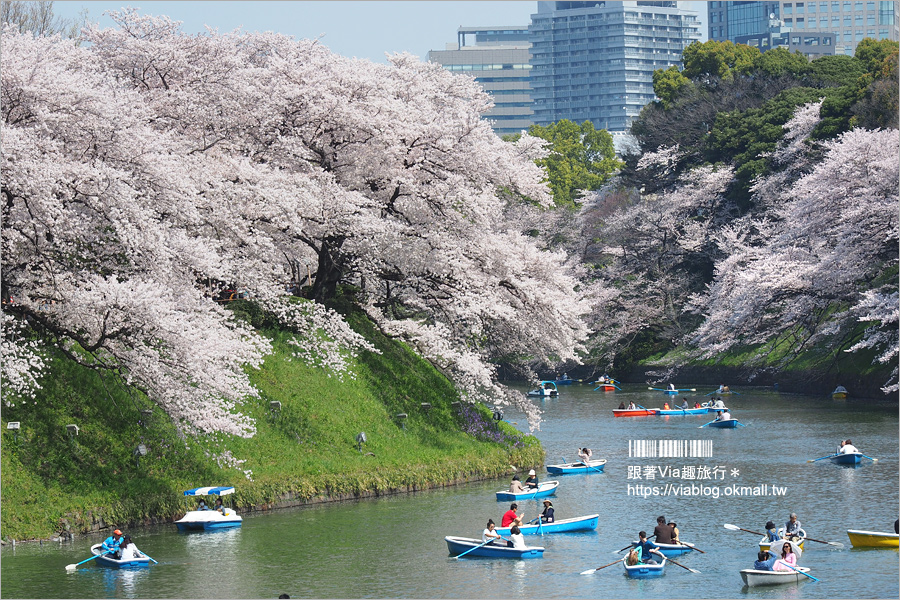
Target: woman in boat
x,y
128,550
585,455
516,539
847,447
532,481
515,485
675,532
219,506
489,534
547,515
201,505
666,406
622,405
632,405
787,560
771,532
697,404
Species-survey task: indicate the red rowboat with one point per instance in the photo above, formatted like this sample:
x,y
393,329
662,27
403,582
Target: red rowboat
x,y
635,412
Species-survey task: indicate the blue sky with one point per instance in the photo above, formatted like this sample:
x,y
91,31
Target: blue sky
x,y
365,29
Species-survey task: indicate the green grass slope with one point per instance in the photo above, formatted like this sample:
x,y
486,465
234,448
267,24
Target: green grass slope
x,y
52,481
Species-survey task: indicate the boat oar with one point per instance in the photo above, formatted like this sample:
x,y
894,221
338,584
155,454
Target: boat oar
x,y
835,544
682,566
592,571
589,466
705,424
736,528
822,458
870,458
692,547
476,547
73,566
798,570
632,545
150,557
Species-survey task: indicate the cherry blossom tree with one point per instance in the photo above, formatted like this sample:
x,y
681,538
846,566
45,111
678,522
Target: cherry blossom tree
x,y
147,167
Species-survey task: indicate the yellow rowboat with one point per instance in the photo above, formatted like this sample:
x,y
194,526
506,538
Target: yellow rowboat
x,y
873,539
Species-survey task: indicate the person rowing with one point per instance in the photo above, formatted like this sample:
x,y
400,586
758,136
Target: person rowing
x,y
662,532
489,536
792,528
585,455
531,482
643,549
547,515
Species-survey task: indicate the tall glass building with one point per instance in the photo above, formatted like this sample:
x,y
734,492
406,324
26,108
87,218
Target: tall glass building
x,y
808,25
497,57
594,61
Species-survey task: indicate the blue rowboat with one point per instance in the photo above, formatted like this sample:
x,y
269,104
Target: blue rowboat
x,y
644,571
548,488
458,545
564,380
725,424
586,523
108,561
683,411
578,467
851,458
670,550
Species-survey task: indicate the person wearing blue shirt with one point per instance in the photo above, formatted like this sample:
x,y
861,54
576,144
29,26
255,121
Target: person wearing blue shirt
x,y
112,543
770,531
765,562
645,547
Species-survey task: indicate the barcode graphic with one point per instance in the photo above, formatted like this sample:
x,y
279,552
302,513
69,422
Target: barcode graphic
x,y
670,448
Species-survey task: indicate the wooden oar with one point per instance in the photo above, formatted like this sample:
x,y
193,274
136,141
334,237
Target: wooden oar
x,y
632,545
736,528
822,458
682,566
798,570
835,544
692,547
592,571
869,457
73,566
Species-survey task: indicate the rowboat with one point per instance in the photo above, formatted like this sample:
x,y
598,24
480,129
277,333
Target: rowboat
x,y
458,545
645,571
577,467
606,387
725,424
564,380
671,550
548,488
764,543
586,523
682,411
839,393
755,577
108,561
634,412
546,389
202,520
851,458
873,539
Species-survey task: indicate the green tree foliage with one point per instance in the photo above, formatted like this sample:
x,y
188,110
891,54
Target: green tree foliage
x,y
581,158
880,106
779,61
717,60
873,53
836,70
668,85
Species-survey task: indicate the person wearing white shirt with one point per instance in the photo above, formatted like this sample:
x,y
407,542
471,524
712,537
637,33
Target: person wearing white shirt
x,y
847,447
489,535
128,550
516,539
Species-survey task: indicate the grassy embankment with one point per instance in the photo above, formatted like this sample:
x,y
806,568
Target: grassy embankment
x,y
307,449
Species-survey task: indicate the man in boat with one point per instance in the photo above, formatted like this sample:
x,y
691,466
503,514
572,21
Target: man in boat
x,y
515,486
547,515
685,405
847,447
662,532
532,481
112,543
671,387
645,548
792,528
510,517
765,561
723,415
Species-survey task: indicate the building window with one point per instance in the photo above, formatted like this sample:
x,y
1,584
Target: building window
x,y
859,36
835,7
826,41
810,41
870,6
835,20
812,22
858,5
848,20
800,8
788,9
870,19
823,6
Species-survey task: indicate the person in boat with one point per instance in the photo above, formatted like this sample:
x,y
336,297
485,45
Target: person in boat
x,y
674,527
219,507
201,505
490,535
765,560
847,447
721,389
697,404
128,550
792,528
621,405
532,481
787,559
515,486
585,455
723,415
666,406
645,548
897,526
516,539
662,532
771,533
510,517
719,403
112,543
671,387
632,406
547,515
685,405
